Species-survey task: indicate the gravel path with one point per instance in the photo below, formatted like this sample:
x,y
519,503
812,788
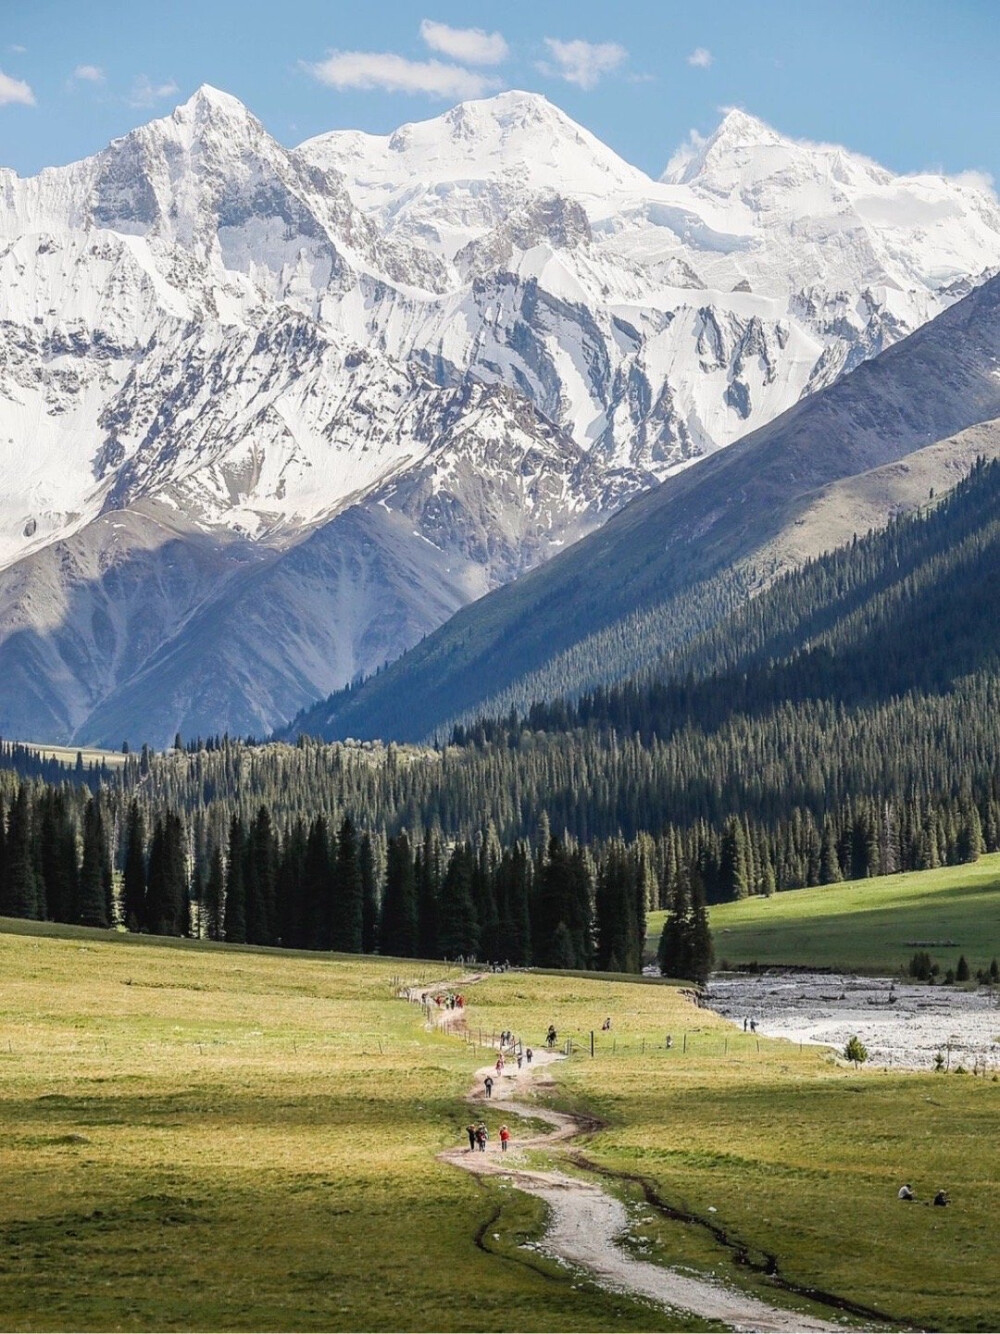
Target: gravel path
x,y
585,1223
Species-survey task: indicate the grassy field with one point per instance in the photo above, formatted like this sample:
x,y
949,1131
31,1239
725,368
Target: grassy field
x,y
798,1156
240,1139
114,759
866,925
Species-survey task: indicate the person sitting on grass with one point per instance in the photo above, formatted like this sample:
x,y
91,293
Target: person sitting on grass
x,y
905,1193
941,1199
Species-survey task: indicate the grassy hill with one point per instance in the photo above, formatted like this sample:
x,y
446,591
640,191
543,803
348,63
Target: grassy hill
x,y
866,926
245,1139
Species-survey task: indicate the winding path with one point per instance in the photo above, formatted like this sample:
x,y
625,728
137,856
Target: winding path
x,y
585,1222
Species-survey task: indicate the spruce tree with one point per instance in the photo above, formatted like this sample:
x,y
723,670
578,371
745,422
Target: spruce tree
x,y
235,917
215,888
259,874
348,893
399,934
369,897
429,874
134,873
829,865
458,929
93,901
317,888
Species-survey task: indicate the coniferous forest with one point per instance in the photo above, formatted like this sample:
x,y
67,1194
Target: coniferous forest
x,y
843,724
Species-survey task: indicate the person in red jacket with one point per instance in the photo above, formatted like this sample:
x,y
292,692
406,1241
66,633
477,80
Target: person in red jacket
x,y
504,1138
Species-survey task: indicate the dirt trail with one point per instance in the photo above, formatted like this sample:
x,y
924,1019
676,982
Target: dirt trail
x,y
585,1222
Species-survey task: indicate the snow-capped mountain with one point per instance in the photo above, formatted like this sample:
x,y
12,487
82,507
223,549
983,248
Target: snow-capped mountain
x,y
657,320
292,407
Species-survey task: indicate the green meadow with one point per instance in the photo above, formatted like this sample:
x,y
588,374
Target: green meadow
x,y
865,926
245,1139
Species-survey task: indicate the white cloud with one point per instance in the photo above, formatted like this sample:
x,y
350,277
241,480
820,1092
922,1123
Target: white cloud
x,y
974,180
701,57
471,45
15,90
583,63
89,74
144,93
17,49
396,74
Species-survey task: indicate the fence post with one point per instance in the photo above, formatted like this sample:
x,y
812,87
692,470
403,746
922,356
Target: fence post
x,y
685,1042
591,1043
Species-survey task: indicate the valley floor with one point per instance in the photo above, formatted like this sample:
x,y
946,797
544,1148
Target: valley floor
x,y
233,1138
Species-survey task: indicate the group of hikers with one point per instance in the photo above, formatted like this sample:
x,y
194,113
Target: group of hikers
x,y
479,1135
453,1000
905,1192
751,1024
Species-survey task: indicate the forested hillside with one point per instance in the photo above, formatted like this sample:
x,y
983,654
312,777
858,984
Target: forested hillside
x,y
674,561
844,724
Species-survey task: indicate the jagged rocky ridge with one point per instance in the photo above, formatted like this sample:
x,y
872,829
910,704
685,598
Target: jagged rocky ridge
x,y
268,416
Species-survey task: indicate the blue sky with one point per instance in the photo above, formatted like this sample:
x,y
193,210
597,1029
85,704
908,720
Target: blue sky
x,y
913,83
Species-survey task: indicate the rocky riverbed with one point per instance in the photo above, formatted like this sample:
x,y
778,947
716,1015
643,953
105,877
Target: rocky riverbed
x,y
901,1024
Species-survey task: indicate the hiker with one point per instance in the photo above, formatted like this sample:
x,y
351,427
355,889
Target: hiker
x,y
470,1130
504,1137
745,1023
606,1025
528,1054
520,1058
905,1193
941,1199
670,1041
499,1066
550,1036
753,1025
482,1135
488,1086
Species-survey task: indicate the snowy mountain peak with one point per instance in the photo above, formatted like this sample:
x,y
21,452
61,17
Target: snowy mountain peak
x,y
209,111
516,137
744,150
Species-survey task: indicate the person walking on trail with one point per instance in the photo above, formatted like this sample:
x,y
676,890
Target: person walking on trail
x,y
520,1058
528,1053
499,1066
504,1138
482,1135
550,1036
488,1086
470,1130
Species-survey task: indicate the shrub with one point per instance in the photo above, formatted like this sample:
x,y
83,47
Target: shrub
x,y
921,967
856,1051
